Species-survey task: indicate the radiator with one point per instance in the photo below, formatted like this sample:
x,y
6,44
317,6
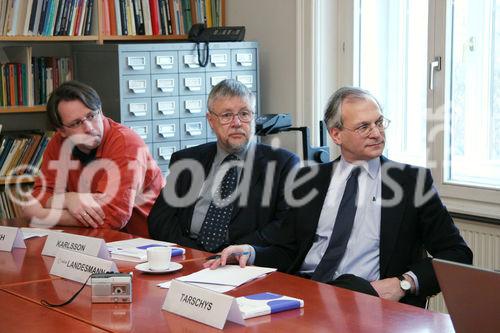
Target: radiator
x,y
484,241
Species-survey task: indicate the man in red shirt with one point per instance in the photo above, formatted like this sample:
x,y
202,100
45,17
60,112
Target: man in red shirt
x,y
95,172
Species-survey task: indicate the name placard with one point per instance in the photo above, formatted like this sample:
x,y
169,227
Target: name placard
x,y
202,305
11,237
91,246
77,266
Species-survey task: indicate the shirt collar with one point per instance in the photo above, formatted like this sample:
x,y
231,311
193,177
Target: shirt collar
x,y
371,167
222,153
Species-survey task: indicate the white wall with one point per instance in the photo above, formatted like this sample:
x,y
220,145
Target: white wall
x,y
273,24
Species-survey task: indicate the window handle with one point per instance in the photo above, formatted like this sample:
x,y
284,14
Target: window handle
x,y
434,66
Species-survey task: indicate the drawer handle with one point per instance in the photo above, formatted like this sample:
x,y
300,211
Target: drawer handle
x,y
244,59
137,86
194,129
136,63
166,108
193,106
166,131
165,62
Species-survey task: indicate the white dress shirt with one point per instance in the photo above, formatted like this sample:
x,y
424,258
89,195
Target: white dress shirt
x,y
362,253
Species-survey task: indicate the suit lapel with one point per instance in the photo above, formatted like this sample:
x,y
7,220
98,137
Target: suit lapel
x,y
391,214
307,216
207,157
322,183
259,165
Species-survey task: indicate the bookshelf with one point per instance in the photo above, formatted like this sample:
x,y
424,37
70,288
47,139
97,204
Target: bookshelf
x,y
32,116
22,109
16,180
196,10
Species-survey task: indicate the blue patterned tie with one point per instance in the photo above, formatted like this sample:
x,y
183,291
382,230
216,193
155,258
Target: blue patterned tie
x,y
341,231
213,232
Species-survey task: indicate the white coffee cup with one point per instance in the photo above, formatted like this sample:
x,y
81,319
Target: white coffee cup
x,y
159,257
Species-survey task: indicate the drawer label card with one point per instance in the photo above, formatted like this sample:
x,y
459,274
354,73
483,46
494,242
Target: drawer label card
x,y
194,129
167,130
166,107
191,61
142,131
137,86
165,62
136,63
193,105
166,152
193,83
138,109
219,59
247,80
244,59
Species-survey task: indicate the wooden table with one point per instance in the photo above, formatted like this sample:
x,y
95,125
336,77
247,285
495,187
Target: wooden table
x,y
327,308
18,315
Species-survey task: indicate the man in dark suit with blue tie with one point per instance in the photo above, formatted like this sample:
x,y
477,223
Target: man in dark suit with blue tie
x,y
366,223
225,192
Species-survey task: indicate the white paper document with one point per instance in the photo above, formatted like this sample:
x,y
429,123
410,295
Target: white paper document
x,y
230,275
135,250
222,279
214,287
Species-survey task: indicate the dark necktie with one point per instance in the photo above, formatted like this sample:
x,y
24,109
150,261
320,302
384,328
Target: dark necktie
x,y
213,232
341,231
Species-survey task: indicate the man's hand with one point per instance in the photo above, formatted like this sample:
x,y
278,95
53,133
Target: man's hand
x,y
230,255
85,207
388,288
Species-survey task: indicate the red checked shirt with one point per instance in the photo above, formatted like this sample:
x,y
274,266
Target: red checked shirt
x,y
123,170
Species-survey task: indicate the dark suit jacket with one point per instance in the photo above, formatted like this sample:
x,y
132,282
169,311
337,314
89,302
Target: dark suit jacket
x,y
408,228
253,223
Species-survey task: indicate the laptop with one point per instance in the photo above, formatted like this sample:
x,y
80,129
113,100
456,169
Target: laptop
x,y
471,294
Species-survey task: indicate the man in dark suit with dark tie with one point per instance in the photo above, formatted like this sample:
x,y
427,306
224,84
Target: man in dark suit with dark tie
x,y
225,192
365,223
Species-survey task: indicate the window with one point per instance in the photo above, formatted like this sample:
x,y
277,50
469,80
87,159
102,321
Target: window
x,y
473,119
446,116
392,65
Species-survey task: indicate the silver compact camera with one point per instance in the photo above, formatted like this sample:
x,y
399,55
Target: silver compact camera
x,y
111,288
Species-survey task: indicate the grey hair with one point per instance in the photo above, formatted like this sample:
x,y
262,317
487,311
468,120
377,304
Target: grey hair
x,y
231,88
333,112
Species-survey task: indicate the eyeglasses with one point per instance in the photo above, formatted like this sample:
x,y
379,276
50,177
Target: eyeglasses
x,y
364,130
244,116
79,122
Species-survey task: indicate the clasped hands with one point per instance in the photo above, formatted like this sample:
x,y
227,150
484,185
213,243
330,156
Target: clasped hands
x,y
86,208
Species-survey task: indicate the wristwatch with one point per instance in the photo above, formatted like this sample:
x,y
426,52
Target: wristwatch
x,y
404,284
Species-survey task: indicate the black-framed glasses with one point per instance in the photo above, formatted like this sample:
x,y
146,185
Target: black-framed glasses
x,y
365,129
245,116
79,122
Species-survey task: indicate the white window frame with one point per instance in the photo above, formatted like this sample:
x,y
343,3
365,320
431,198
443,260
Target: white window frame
x,y
463,199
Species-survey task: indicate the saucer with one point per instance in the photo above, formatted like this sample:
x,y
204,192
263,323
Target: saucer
x,y
144,267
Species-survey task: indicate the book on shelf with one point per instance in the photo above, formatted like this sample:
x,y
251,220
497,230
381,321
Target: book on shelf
x,y
157,17
10,202
46,17
21,152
